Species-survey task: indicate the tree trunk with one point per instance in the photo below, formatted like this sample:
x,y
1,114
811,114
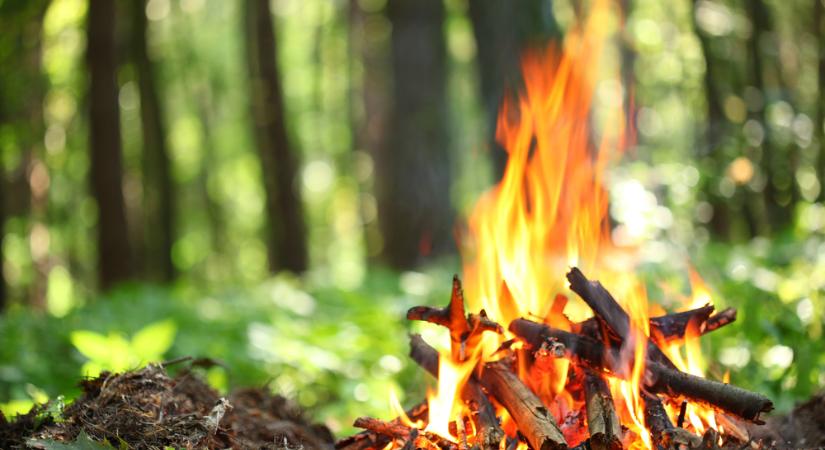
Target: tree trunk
x,y
502,30
158,191
413,165
778,195
819,130
114,254
286,234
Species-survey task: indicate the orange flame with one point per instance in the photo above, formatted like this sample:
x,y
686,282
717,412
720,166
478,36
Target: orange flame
x,y
445,404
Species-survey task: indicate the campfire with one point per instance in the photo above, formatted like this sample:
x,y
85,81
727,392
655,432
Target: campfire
x,y
550,358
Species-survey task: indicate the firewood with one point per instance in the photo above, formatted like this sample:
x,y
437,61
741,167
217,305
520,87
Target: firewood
x,y
369,439
658,378
733,399
533,419
656,419
489,434
720,319
602,420
398,431
671,327
452,317
609,312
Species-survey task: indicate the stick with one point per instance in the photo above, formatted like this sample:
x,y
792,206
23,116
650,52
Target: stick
x,y
398,431
489,434
656,419
602,420
369,439
608,310
533,419
452,317
671,327
658,379
720,319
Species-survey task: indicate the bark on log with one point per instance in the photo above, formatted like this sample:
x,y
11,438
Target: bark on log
x,y
533,419
369,439
609,312
489,432
719,320
602,420
656,420
658,378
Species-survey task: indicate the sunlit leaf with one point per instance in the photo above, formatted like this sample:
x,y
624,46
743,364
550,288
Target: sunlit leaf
x,y
154,340
92,345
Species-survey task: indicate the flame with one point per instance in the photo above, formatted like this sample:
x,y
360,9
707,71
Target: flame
x,y
445,404
550,211
398,411
687,356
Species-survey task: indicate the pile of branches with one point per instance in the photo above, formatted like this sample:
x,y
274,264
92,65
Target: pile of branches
x,y
594,348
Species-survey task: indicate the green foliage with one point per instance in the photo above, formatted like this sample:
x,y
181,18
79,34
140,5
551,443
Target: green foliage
x,y
115,353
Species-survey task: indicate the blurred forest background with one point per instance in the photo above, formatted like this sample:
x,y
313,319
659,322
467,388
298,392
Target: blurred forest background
x,y
273,183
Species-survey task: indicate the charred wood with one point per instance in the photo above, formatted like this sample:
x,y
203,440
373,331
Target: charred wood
x,y
602,420
370,439
658,378
533,419
609,312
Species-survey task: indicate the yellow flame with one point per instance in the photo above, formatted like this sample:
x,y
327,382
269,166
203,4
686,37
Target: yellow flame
x,y
445,404
398,411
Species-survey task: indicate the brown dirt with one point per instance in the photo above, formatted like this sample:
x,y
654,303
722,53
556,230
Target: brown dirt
x,y
148,409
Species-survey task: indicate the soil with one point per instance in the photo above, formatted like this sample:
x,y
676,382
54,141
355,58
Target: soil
x,y
149,409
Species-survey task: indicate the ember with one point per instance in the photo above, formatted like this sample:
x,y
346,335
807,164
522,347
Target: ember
x,y
529,368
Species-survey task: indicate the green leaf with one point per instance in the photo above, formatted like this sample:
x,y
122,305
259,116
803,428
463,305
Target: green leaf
x,y
83,442
92,345
155,339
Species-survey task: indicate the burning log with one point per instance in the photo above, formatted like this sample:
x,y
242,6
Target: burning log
x,y
656,419
720,319
533,419
490,434
609,312
602,420
399,432
658,379
370,439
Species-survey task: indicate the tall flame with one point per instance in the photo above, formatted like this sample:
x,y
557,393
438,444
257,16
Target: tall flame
x,y
550,211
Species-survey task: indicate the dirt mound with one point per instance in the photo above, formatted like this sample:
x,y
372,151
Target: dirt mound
x,y
148,409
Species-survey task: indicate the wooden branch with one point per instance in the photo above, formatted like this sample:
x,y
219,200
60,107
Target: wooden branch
x,y
733,399
602,420
452,317
369,439
671,327
658,378
533,419
391,429
719,320
609,312
489,434
656,419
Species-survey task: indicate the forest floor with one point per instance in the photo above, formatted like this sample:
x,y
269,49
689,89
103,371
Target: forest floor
x,y
150,409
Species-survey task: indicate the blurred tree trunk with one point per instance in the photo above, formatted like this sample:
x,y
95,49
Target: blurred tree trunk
x,y
369,101
114,254
413,165
716,127
503,29
22,93
158,192
775,163
287,235
819,129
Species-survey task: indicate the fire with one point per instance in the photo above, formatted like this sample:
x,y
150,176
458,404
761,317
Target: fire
x,y
549,212
445,404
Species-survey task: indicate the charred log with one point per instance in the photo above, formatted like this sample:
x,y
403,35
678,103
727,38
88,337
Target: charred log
x,y
370,439
533,419
609,312
658,379
602,420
